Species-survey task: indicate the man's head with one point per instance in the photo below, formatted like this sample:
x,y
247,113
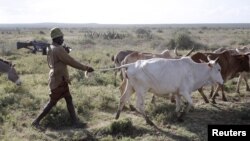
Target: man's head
x,y
57,35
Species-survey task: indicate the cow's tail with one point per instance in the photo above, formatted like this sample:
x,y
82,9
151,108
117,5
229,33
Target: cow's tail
x,y
122,66
108,69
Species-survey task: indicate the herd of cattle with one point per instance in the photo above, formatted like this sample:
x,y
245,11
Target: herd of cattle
x,y
163,74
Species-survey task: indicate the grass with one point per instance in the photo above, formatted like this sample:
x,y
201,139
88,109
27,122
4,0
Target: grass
x,y
96,99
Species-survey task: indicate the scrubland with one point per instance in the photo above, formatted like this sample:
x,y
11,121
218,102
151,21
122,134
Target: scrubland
x,y
96,99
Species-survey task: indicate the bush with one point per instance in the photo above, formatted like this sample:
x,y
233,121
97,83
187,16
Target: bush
x,y
143,33
183,41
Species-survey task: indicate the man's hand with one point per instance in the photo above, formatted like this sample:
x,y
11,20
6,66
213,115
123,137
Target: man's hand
x,y
90,69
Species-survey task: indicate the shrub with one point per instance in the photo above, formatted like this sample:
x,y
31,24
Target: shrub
x,y
183,41
124,127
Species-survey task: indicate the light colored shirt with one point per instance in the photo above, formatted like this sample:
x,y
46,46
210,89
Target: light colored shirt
x,y
58,59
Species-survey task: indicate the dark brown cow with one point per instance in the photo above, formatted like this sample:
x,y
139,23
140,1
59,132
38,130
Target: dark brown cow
x,y
230,64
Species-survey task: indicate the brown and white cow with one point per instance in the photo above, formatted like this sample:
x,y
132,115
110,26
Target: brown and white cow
x,y
230,64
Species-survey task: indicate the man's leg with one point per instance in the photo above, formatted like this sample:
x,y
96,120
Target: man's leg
x,y
45,111
71,109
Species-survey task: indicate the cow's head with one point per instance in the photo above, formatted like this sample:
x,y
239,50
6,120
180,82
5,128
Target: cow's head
x,y
243,62
215,73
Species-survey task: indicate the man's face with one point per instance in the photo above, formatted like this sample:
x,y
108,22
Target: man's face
x,y
60,40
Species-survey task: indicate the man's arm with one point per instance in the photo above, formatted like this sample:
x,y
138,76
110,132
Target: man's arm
x,y
67,59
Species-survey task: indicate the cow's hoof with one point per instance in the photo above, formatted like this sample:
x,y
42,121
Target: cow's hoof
x,y
173,101
117,115
180,116
149,122
213,101
206,100
247,89
224,99
180,119
132,108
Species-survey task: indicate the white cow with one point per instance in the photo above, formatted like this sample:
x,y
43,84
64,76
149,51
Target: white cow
x,y
164,76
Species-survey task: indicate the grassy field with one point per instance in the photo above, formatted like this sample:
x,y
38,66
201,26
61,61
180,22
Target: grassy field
x,y
96,98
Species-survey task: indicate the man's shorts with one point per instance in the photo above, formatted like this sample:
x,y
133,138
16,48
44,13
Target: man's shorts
x,y
61,91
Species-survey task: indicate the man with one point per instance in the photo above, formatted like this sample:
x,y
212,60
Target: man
x,y
58,59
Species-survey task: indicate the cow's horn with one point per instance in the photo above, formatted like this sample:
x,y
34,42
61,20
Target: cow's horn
x,y
190,51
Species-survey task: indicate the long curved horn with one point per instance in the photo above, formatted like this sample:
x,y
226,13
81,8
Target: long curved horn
x,y
208,58
216,60
190,51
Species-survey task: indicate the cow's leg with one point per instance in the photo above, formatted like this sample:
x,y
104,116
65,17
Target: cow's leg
x,y
121,75
187,96
238,83
216,91
140,95
115,84
212,91
178,111
124,98
244,76
203,95
247,86
123,86
189,100
223,93
177,103
122,89
173,98
153,100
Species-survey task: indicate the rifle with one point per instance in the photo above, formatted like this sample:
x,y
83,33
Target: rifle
x,y
38,46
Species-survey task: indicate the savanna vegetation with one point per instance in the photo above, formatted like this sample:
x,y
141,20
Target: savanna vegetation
x,y
96,98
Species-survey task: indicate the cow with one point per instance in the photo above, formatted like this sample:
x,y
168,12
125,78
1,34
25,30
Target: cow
x,y
230,64
117,59
120,56
133,57
242,75
163,76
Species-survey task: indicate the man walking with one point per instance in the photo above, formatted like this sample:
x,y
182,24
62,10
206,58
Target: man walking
x,y
58,60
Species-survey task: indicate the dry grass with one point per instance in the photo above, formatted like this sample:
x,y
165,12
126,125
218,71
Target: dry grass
x,y
96,100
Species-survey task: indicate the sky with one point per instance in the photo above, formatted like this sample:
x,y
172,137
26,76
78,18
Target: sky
x,y
125,11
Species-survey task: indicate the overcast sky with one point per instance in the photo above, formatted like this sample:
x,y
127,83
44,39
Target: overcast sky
x,y
125,11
